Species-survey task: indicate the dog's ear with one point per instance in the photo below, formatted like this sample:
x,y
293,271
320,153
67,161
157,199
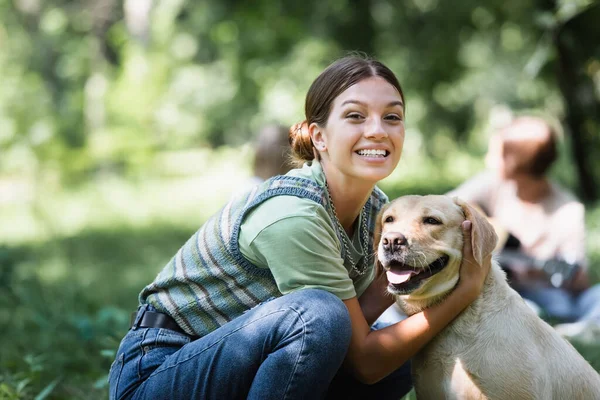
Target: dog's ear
x,y
377,238
483,235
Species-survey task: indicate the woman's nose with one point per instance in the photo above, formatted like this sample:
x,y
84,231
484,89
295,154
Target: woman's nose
x,y
375,129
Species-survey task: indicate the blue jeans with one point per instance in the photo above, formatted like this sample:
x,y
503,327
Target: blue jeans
x,y
291,347
565,306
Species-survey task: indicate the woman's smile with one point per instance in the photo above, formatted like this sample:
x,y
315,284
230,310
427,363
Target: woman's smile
x,y
373,156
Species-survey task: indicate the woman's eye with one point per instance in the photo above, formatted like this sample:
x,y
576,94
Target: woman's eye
x,y
393,117
431,221
389,219
354,116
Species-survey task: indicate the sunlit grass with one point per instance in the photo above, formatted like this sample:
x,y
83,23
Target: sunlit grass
x,y
190,187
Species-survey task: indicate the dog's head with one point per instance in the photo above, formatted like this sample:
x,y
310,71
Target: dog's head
x,y
419,244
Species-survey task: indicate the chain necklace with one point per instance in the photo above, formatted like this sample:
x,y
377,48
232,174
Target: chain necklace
x,y
342,234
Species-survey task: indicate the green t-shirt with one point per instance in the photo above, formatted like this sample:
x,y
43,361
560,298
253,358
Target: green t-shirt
x,y
296,239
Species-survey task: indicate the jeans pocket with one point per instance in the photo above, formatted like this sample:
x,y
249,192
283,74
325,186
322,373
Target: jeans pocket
x,y
114,375
123,374
156,349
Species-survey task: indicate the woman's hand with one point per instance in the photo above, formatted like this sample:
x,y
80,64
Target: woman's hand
x,y
472,274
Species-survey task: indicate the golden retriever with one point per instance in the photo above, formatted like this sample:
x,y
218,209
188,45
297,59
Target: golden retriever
x,y
497,348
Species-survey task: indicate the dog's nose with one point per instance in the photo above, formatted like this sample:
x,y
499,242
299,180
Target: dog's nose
x,y
392,241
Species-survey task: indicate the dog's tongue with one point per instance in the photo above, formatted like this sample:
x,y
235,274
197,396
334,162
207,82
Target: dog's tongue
x,y
398,277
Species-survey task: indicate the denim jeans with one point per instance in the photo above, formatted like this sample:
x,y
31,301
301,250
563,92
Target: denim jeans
x,y
291,347
562,305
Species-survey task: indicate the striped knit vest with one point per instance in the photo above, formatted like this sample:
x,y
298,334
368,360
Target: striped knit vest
x,y
209,282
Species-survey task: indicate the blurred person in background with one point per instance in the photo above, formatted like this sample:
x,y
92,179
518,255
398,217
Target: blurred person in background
x,y
542,224
272,156
271,152
278,289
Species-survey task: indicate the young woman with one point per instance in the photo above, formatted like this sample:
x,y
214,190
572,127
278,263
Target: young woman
x,y
277,290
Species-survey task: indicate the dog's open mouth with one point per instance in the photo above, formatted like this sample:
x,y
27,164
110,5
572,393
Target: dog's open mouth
x,y
406,278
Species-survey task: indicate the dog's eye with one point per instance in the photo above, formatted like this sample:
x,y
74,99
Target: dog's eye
x,y
389,218
431,221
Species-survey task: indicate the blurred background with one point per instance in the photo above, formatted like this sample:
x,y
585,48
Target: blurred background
x,y
124,125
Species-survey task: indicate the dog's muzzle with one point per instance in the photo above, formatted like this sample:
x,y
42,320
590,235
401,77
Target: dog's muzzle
x,y
404,279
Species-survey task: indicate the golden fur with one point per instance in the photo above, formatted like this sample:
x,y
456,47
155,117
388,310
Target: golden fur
x,y
497,348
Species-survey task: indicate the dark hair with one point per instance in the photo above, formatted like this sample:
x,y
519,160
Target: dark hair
x,y
334,80
531,156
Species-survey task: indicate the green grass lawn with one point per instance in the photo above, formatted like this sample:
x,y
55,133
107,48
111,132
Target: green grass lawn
x,y
71,269
66,304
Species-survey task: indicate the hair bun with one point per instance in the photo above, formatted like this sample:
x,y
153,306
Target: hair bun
x,y
301,143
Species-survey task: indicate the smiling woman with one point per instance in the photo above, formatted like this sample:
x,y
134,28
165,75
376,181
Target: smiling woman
x,y
276,291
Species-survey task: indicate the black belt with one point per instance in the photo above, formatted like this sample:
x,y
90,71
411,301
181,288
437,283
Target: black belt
x,y
153,319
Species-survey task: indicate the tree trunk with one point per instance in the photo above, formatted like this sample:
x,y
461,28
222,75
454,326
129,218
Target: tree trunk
x,y
575,43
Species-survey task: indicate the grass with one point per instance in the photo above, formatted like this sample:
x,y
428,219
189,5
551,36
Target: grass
x,y
66,304
73,262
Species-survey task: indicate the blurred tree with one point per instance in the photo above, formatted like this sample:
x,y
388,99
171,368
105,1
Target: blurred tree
x,y
103,85
577,42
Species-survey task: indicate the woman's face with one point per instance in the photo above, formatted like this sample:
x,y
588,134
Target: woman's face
x,y
364,134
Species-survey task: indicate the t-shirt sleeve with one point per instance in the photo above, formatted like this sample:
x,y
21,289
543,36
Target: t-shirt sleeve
x,y
300,247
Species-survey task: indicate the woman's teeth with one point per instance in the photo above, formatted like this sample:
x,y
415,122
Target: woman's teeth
x,y
372,153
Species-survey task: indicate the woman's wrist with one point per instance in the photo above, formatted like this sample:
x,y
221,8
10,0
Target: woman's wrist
x,y
471,283
375,299
469,291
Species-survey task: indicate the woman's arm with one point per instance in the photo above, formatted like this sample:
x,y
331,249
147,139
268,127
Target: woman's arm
x,y
375,299
373,355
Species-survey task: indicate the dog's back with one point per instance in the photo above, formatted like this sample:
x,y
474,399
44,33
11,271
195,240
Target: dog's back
x,y
499,349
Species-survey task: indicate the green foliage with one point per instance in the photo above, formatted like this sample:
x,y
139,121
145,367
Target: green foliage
x,y
593,240
93,87
60,331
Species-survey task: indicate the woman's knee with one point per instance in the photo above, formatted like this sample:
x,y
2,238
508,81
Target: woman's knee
x,y
327,314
